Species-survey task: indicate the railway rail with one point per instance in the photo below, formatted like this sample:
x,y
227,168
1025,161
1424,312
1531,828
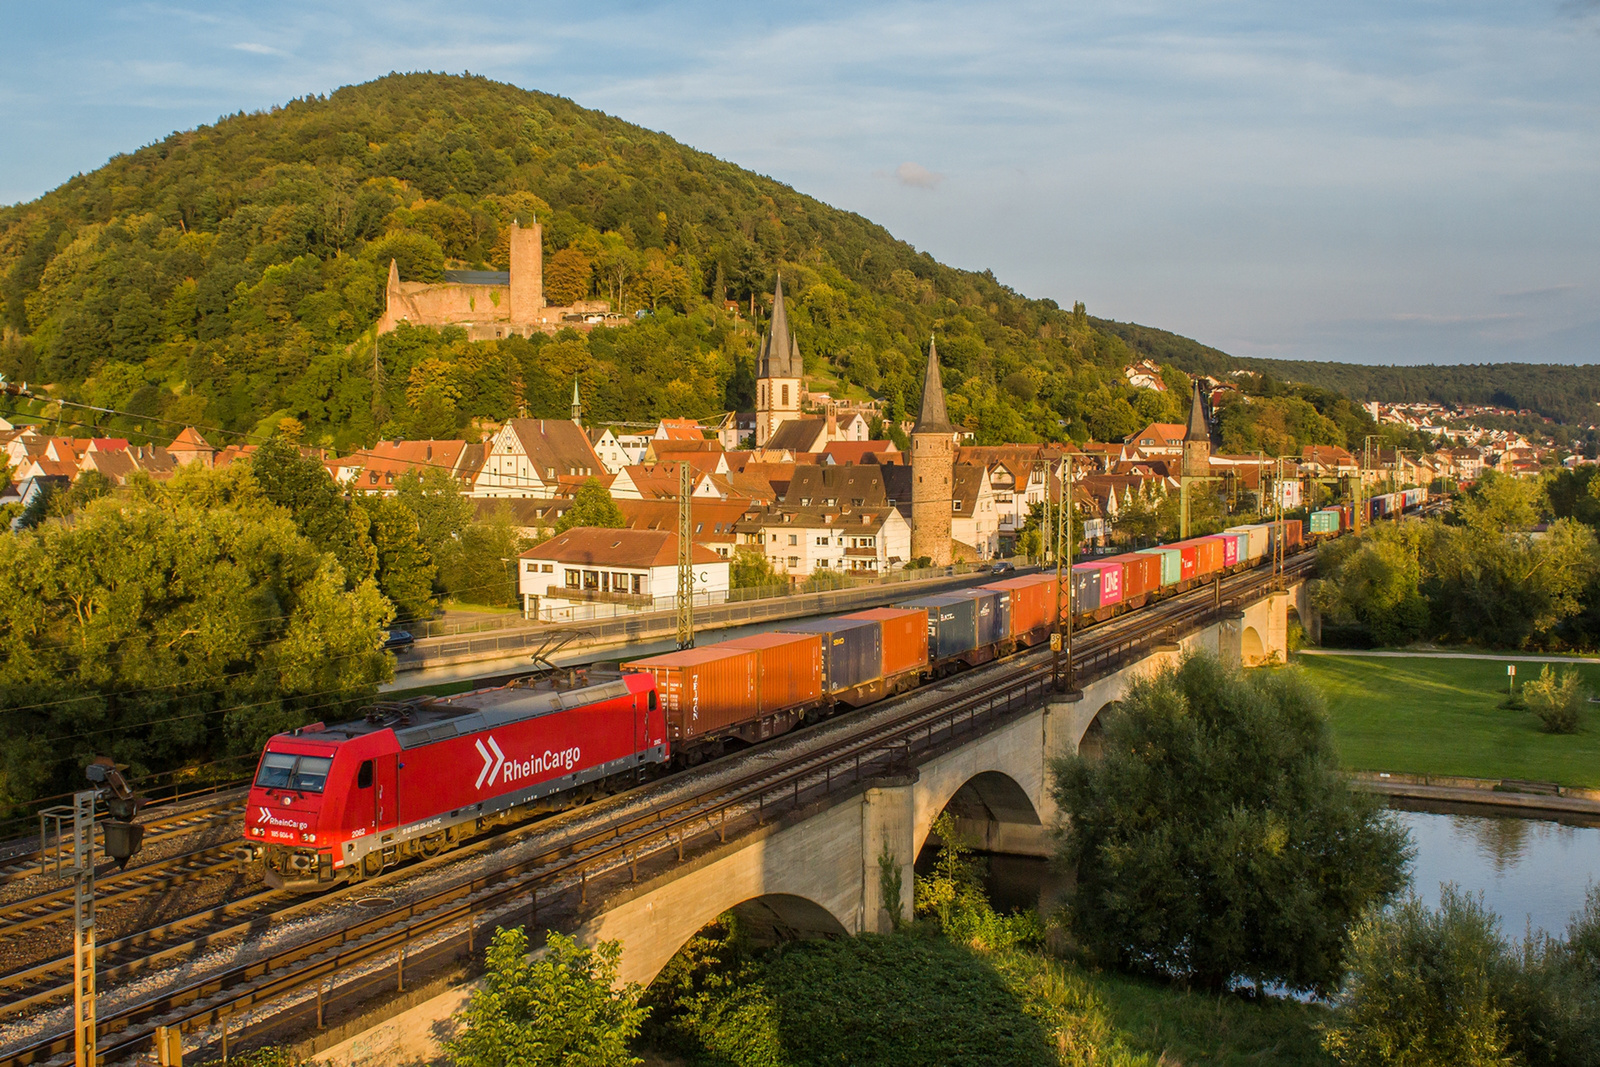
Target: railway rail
x,y
336,970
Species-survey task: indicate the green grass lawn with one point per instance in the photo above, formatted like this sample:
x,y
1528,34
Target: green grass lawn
x,y
1441,716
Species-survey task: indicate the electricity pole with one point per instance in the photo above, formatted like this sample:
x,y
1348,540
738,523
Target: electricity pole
x,y
1062,641
685,557
83,949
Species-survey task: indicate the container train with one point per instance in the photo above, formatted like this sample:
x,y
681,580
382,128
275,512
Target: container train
x,y
337,803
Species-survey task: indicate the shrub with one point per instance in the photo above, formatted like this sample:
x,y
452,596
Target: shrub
x,y
1558,700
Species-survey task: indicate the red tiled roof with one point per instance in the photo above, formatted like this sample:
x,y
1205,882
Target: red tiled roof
x,y
605,547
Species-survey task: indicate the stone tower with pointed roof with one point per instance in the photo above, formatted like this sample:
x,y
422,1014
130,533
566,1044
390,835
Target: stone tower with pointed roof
x,y
1196,438
577,405
933,457
777,373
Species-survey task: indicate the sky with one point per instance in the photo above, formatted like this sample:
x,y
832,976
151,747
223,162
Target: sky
x,y
1404,181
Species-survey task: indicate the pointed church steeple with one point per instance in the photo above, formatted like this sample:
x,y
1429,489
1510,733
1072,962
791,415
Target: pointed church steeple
x,y
1197,429
577,405
780,356
932,417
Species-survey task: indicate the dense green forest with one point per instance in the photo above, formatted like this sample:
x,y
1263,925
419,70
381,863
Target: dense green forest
x,y
230,276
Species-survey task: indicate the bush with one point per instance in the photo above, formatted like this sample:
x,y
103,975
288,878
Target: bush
x,y
953,895
1442,987
1558,700
1215,839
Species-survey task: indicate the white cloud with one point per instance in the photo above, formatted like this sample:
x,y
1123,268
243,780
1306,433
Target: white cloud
x,y
257,49
917,176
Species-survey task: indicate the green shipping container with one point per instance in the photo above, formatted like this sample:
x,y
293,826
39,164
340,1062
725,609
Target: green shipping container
x,y
1171,563
1325,521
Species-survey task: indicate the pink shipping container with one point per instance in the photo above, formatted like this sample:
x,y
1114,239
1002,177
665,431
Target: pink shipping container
x,y
1110,579
788,669
1141,573
704,690
905,637
1230,550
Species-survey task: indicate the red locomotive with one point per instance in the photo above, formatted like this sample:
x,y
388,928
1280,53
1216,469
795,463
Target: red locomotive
x,y
338,803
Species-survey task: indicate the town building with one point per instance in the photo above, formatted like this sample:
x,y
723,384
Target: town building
x,y
596,572
1197,438
529,457
778,372
932,459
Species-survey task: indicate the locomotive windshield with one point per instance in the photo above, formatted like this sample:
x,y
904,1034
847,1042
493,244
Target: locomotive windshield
x,y
284,770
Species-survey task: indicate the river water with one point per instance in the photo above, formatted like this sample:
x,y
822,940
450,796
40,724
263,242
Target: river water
x,y
1530,871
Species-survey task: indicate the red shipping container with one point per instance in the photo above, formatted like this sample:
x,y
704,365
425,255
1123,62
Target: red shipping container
x,y
1033,604
1191,559
1208,555
1291,533
788,668
1141,573
905,637
704,690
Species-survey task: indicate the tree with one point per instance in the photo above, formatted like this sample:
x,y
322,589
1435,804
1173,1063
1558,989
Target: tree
x,y
482,567
591,506
751,569
560,1009
1215,839
434,498
567,276
406,571
302,486
1421,988
1558,700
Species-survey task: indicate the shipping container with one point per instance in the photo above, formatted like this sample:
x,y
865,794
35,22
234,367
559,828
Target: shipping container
x,y
1141,573
905,638
952,625
1232,550
1325,521
1033,604
1171,563
1110,579
994,613
704,690
852,651
1259,535
1291,534
1085,590
1207,553
788,669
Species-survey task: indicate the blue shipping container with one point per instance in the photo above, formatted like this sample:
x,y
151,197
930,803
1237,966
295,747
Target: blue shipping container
x,y
852,650
952,624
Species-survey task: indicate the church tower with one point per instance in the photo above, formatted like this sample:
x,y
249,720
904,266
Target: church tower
x,y
1196,438
933,457
577,405
777,373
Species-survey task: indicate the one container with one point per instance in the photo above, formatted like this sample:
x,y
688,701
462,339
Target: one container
x,y
1085,589
1033,604
1230,548
704,690
1291,534
1207,555
1325,521
1240,553
1259,535
1171,563
852,651
952,624
1110,579
788,668
905,638
994,613
1190,554
1141,573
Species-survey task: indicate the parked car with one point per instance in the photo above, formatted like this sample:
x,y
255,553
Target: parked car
x,y
1004,566
398,639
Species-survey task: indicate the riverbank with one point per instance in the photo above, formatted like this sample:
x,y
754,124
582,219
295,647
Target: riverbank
x,y
1438,715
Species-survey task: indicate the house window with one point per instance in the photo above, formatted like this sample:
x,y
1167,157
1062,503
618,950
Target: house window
x,y
958,505
619,582
822,540
573,579
794,561
549,568
591,579
533,568
785,396
794,539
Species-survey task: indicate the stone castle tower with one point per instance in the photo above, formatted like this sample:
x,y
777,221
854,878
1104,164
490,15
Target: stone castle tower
x,y
527,272
777,373
1196,438
933,457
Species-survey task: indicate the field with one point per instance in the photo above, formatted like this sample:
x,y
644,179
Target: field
x,y
1442,716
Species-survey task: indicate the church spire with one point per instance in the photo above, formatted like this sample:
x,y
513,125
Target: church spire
x,y
931,417
1197,430
780,357
577,405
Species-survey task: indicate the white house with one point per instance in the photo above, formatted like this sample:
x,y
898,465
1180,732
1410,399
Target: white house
x,y
592,572
799,541
529,457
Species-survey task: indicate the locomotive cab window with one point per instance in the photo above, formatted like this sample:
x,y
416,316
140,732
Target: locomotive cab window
x,y
284,770
652,700
364,775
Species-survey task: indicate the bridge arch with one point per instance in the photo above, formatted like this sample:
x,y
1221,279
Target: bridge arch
x,y
990,808
1252,649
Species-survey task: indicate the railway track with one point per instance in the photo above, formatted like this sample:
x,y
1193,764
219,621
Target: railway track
x,y
432,926
219,808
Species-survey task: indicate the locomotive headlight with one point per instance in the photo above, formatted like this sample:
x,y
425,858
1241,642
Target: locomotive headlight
x,y
309,838
257,831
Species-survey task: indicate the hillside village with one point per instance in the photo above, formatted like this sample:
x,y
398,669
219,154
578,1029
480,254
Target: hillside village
x,y
800,483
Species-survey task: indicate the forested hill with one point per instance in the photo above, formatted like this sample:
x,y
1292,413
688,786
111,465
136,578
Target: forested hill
x,y
230,276
1568,394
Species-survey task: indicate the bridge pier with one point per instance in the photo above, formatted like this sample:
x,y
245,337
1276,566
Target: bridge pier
x,y
888,829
